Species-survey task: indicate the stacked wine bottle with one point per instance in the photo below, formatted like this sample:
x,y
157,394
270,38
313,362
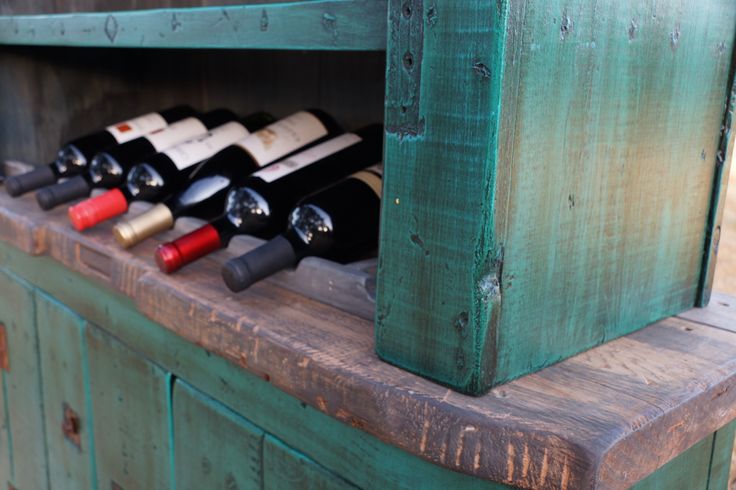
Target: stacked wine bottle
x,y
301,182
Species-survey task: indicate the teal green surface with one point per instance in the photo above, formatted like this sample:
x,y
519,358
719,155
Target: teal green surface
x,y
22,387
313,25
688,471
722,457
556,192
65,383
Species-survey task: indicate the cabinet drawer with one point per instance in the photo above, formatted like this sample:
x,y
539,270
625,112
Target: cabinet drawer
x,y
67,414
130,400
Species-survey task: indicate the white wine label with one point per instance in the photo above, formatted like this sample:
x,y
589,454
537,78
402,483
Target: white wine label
x,y
176,133
195,150
135,128
283,137
307,157
372,177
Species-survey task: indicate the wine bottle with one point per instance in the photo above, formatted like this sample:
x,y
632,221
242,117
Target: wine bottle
x,y
157,176
261,204
204,195
109,168
74,156
339,223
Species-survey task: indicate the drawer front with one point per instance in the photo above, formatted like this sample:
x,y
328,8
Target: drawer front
x,y
284,469
130,400
23,463
67,415
213,446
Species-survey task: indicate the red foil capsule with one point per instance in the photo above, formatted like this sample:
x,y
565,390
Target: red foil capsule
x,y
89,212
172,256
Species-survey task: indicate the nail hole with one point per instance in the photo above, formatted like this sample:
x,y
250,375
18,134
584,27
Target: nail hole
x,y
408,60
406,10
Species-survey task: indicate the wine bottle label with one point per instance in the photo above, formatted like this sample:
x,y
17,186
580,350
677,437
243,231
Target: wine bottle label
x,y
202,147
372,177
307,157
283,137
175,133
135,128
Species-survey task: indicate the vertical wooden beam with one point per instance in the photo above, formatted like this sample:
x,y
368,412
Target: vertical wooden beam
x,y
438,276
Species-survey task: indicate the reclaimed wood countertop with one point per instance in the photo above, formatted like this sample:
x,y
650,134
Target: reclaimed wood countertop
x,y
605,418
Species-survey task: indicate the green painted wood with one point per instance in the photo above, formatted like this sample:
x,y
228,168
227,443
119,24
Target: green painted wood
x,y
314,25
65,386
369,462
213,446
552,190
285,469
718,196
438,294
22,386
131,423
722,458
688,471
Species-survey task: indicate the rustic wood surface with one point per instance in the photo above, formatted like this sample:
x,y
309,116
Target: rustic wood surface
x,y
609,416
319,24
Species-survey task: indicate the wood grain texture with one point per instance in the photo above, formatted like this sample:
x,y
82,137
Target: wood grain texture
x,y
65,378
316,25
213,447
500,252
720,313
689,471
608,417
131,422
22,387
284,469
721,460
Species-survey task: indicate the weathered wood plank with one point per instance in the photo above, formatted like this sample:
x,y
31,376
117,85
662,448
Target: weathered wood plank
x,y
689,471
722,458
22,386
721,312
317,25
285,469
68,418
213,447
130,400
18,223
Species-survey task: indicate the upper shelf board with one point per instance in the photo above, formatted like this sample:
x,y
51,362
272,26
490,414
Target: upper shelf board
x,y
347,25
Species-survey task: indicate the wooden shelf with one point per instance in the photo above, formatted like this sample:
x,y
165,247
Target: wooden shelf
x,y
606,418
311,25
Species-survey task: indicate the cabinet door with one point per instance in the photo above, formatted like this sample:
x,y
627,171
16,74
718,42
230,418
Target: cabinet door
x,y
23,461
213,446
66,404
285,468
130,402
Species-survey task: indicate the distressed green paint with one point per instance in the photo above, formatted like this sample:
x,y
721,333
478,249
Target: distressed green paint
x,y
362,459
439,266
25,409
722,458
131,422
285,469
61,352
688,471
718,197
515,237
314,25
213,447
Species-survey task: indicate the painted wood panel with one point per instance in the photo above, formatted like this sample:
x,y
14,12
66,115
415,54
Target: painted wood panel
x,y
285,468
130,400
722,458
213,446
68,417
689,471
318,24
22,387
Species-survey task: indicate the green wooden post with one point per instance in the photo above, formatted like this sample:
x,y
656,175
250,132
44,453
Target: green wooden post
x,y
549,173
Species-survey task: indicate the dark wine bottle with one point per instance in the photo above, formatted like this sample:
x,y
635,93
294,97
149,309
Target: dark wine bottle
x,y
204,194
339,223
260,205
109,168
74,156
159,175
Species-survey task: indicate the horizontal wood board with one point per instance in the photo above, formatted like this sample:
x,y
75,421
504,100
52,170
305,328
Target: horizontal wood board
x,y
608,417
612,132
315,25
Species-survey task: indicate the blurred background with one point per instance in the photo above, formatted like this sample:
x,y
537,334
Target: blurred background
x,y
725,279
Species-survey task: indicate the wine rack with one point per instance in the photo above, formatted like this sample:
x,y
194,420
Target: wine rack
x,y
553,181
